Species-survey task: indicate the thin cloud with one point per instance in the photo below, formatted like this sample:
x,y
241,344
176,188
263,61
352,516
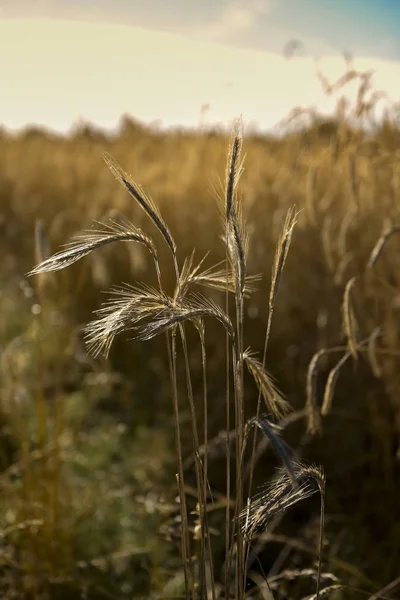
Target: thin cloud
x,y
235,18
99,72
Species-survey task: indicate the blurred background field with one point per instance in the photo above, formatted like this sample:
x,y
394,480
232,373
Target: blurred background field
x,y
88,502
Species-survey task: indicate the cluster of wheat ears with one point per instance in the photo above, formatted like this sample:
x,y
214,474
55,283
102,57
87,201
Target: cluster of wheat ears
x,y
149,311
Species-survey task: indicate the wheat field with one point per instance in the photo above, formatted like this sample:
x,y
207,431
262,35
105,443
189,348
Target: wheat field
x,y
227,424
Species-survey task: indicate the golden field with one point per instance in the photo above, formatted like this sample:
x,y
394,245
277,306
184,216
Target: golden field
x,y
89,500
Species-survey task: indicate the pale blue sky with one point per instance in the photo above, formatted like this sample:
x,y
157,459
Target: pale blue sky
x,y
362,27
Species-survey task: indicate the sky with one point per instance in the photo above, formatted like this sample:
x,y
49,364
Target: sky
x,y
165,59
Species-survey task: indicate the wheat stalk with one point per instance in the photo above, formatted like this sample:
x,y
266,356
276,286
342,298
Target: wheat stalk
x,y
372,352
333,377
380,244
146,203
284,491
88,241
349,318
274,401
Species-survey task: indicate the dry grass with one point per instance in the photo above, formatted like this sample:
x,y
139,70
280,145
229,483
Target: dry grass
x,y
325,270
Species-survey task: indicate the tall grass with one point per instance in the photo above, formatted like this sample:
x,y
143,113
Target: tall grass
x,y
148,313
324,319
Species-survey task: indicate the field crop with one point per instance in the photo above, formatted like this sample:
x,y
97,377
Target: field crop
x,y
264,364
